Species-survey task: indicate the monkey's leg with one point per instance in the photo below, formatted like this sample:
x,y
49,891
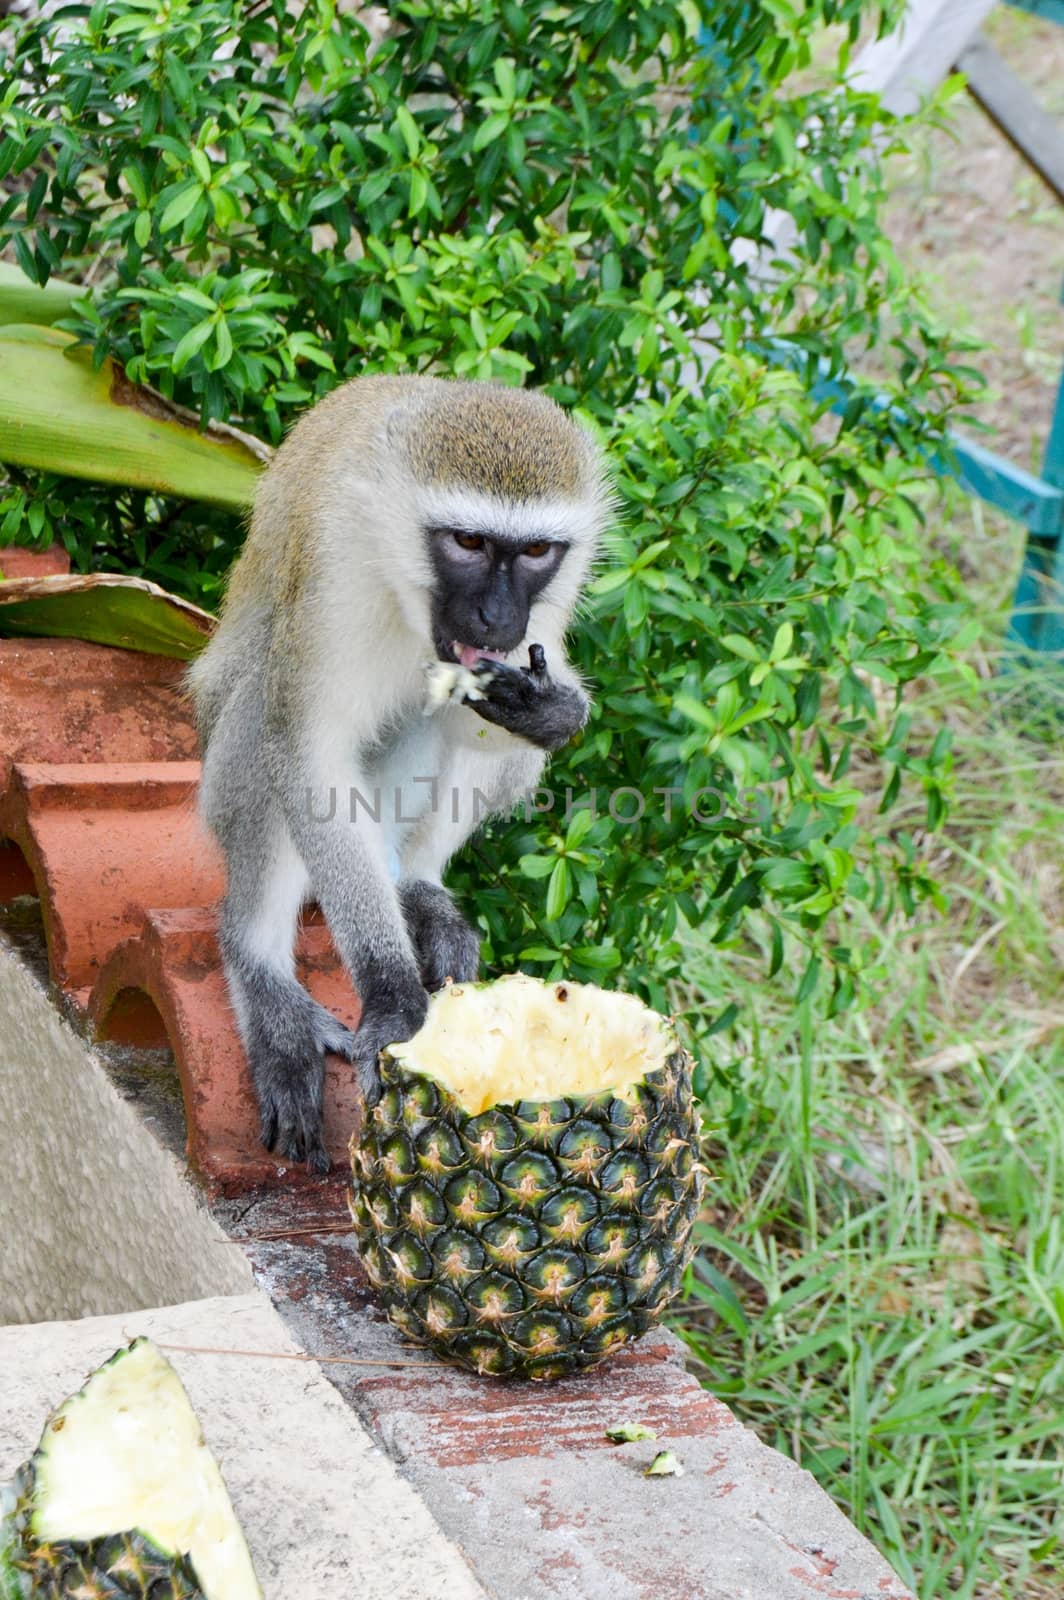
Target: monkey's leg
x,y
444,943
285,1032
474,783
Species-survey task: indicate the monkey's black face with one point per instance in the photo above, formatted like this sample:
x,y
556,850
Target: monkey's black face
x,y
484,589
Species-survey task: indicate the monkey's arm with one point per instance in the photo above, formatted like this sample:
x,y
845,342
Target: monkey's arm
x,y
346,862
528,702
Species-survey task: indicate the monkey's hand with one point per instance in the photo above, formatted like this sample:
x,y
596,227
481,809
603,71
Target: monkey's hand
x,y
286,1044
385,1020
527,701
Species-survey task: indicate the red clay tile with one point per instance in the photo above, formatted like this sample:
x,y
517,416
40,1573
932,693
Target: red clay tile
x,y
172,963
105,843
65,700
18,563
16,876
97,816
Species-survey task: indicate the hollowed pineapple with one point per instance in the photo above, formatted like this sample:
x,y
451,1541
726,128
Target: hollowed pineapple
x,y
123,1498
524,1190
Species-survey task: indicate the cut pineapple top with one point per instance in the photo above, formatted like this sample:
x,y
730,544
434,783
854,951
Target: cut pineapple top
x,y
522,1039
126,1452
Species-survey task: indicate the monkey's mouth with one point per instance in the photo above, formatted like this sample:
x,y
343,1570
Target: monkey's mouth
x,y
467,655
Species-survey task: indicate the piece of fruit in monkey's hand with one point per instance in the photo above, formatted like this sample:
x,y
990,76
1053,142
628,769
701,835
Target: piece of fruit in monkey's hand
x,y
447,682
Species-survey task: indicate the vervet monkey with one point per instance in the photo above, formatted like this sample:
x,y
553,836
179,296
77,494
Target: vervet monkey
x,y
405,521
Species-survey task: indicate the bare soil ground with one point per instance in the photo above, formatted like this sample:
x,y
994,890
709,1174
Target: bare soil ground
x,y
971,214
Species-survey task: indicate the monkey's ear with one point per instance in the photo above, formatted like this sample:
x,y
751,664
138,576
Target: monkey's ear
x,y
397,422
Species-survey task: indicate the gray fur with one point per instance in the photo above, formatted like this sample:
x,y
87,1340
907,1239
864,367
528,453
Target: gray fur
x,y
313,688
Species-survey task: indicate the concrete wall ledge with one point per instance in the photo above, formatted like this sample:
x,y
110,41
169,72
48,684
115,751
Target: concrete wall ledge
x,y
522,1476
325,1513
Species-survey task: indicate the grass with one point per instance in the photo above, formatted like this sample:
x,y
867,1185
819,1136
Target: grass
x,y
880,1288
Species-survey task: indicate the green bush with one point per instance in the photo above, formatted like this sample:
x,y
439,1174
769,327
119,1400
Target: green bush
x,y
564,194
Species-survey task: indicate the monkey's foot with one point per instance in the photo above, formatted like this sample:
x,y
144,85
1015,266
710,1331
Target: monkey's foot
x,y
289,1095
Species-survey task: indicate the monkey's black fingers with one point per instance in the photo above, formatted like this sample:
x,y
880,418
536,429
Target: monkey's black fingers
x,y
379,1028
528,702
317,1158
487,669
288,1080
369,1078
295,1137
537,661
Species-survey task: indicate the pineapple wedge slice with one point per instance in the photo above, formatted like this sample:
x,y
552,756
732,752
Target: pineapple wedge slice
x,y
123,1496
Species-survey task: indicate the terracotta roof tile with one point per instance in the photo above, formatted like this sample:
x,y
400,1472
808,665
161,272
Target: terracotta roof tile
x,y
98,818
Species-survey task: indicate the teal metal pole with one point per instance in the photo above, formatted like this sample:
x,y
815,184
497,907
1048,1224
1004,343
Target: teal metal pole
x,y
1037,621
1052,617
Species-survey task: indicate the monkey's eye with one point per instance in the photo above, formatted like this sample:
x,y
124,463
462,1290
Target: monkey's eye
x,y
469,541
537,550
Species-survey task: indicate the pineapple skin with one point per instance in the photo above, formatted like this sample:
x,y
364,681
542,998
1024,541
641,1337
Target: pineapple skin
x,y
532,1239
121,1566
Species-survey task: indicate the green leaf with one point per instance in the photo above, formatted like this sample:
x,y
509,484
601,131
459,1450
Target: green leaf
x,y
610,582
741,647
58,415
605,957
21,300
419,190
200,165
490,129
180,207
781,644
557,891
810,979
539,953
697,712
580,826
408,128
192,341
105,608
723,1022
537,866
374,187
